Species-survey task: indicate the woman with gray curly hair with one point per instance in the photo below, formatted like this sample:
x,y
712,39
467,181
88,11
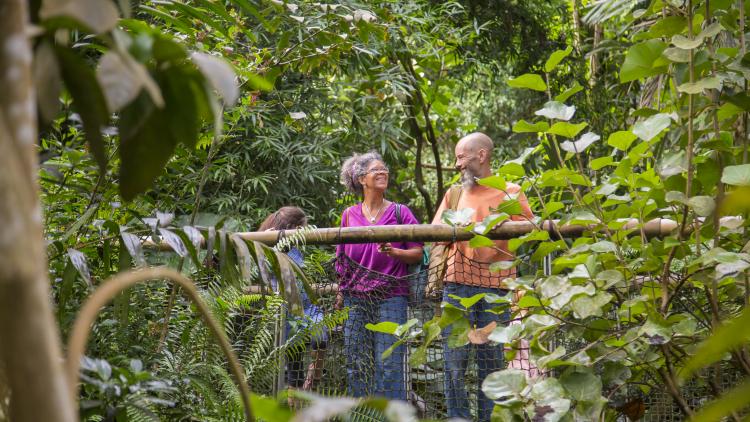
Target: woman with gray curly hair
x,y
373,281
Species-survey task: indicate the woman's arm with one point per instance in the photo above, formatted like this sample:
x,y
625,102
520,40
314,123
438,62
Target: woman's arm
x,y
409,256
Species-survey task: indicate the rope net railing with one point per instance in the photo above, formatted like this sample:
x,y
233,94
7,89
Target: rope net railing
x,y
332,349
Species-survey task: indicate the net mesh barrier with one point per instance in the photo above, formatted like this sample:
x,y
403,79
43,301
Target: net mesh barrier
x,y
331,351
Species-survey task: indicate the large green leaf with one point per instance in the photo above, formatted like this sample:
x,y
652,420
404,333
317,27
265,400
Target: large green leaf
x,y
556,58
642,60
98,16
725,338
621,139
563,96
479,241
496,182
529,81
149,135
730,402
220,73
582,384
556,110
736,175
648,129
522,126
697,87
581,144
568,130
507,382
88,99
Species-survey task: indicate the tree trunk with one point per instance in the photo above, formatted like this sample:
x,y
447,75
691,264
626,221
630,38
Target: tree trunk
x,y
30,348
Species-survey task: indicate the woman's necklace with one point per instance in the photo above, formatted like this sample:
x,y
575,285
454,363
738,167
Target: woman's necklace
x,y
369,212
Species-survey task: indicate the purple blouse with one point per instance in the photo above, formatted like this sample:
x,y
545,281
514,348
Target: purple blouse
x,y
382,276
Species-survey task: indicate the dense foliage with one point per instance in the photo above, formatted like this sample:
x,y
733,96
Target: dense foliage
x,y
196,119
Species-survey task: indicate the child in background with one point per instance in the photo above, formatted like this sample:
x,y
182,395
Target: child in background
x,y
292,218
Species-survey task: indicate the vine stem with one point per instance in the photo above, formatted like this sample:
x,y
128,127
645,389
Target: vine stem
x,y
122,281
689,182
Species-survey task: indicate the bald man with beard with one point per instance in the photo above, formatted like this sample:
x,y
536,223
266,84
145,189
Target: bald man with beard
x,y
468,274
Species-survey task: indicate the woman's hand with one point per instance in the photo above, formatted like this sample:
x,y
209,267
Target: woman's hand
x,y
409,256
388,249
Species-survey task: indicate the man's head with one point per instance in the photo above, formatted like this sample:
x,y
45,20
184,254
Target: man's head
x,y
473,153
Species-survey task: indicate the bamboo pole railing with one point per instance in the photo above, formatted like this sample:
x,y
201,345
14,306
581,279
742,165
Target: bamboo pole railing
x,y
659,227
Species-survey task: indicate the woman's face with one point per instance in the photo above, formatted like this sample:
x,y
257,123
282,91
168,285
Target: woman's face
x,y
376,177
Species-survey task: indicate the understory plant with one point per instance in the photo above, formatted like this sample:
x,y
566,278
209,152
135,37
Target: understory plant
x,y
628,313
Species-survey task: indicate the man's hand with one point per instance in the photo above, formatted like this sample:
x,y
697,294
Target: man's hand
x,y
431,291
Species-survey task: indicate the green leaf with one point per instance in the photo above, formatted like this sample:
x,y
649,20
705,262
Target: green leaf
x,y
640,60
514,244
512,169
96,15
556,110
581,144
529,301
676,55
460,217
529,81
585,306
651,127
673,164
731,401
736,175
552,207
510,207
498,266
220,73
496,182
621,139
581,384
479,241
258,82
565,129
506,334
66,287
576,88
522,126
269,409
685,43
489,222
553,286
386,327
389,351
468,302
122,78
88,99
608,278
726,337
79,261
668,26
500,384
601,162
556,58
149,135
697,87
702,205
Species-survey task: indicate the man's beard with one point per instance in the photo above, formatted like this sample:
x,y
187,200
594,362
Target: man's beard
x,y
468,178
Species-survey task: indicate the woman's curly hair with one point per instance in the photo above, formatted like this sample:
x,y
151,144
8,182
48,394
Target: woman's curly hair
x,y
355,167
